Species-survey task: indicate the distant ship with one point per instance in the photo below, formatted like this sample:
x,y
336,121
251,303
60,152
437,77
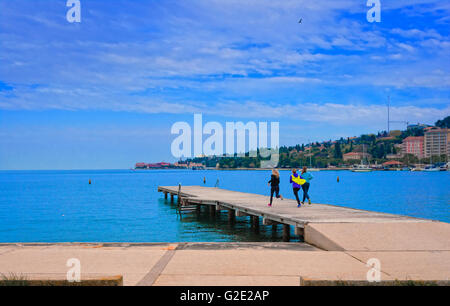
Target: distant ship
x,y
313,169
432,169
417,169
362,168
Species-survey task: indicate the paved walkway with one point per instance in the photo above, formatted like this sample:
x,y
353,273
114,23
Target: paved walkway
x,y
380,237
218,263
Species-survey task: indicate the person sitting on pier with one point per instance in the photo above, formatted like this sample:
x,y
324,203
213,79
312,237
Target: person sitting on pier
x,y
297,183
274,184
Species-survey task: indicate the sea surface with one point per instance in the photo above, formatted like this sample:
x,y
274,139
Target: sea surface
x,y
124,205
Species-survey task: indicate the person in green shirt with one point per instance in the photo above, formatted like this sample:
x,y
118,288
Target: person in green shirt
x,y
305,187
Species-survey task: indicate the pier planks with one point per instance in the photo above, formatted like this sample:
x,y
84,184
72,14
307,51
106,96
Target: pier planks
x,y
283,211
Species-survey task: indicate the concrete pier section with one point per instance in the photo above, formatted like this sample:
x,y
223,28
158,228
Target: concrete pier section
x,y
383,237
411,248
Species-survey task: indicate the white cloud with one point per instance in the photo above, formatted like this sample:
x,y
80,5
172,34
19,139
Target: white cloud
x,y
406,47
416,33
332,113
196,47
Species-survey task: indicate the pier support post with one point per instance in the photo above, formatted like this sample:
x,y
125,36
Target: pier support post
x,y
267,221
165,195
240,213
171,198
231,215
299,231
255,223
274,228
212,210
286,232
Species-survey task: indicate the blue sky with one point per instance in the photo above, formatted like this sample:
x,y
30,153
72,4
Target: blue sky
x,y
105,92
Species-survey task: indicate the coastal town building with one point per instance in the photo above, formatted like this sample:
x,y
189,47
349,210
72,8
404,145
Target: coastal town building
x,y
436,142
392,164
196,166
355,156
387,138
163,165
395,133
413,145
181,165
140,166
394,156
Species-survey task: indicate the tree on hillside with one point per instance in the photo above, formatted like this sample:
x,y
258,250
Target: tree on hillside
x,y
337,151
411,132
368,139
444,123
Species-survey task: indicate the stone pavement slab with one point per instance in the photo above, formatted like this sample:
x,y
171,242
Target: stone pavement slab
x,y
226,280
403,236
263,264
421,265
50,261
219,263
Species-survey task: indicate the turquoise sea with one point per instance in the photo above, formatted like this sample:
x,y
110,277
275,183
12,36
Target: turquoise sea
x,y
124,205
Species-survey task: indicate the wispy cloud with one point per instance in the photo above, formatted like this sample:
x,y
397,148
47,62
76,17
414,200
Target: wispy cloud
x,y
157,57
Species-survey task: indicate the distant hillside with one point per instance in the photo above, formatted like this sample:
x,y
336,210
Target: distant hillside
x,y
379,146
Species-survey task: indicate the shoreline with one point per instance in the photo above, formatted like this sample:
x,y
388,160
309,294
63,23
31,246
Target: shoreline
x,y
285,169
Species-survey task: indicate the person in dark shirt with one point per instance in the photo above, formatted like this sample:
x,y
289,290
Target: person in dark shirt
x,y
295,180
274,184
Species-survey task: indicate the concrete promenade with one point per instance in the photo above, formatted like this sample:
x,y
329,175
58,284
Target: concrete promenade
x,y
232,264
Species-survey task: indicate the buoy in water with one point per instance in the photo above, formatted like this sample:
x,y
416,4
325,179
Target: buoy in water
x,y
89,182
338,179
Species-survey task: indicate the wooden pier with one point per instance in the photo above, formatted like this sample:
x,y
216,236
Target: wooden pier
x,y
284,212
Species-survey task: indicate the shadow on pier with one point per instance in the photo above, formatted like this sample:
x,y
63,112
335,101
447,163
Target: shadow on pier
x,y
237,229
